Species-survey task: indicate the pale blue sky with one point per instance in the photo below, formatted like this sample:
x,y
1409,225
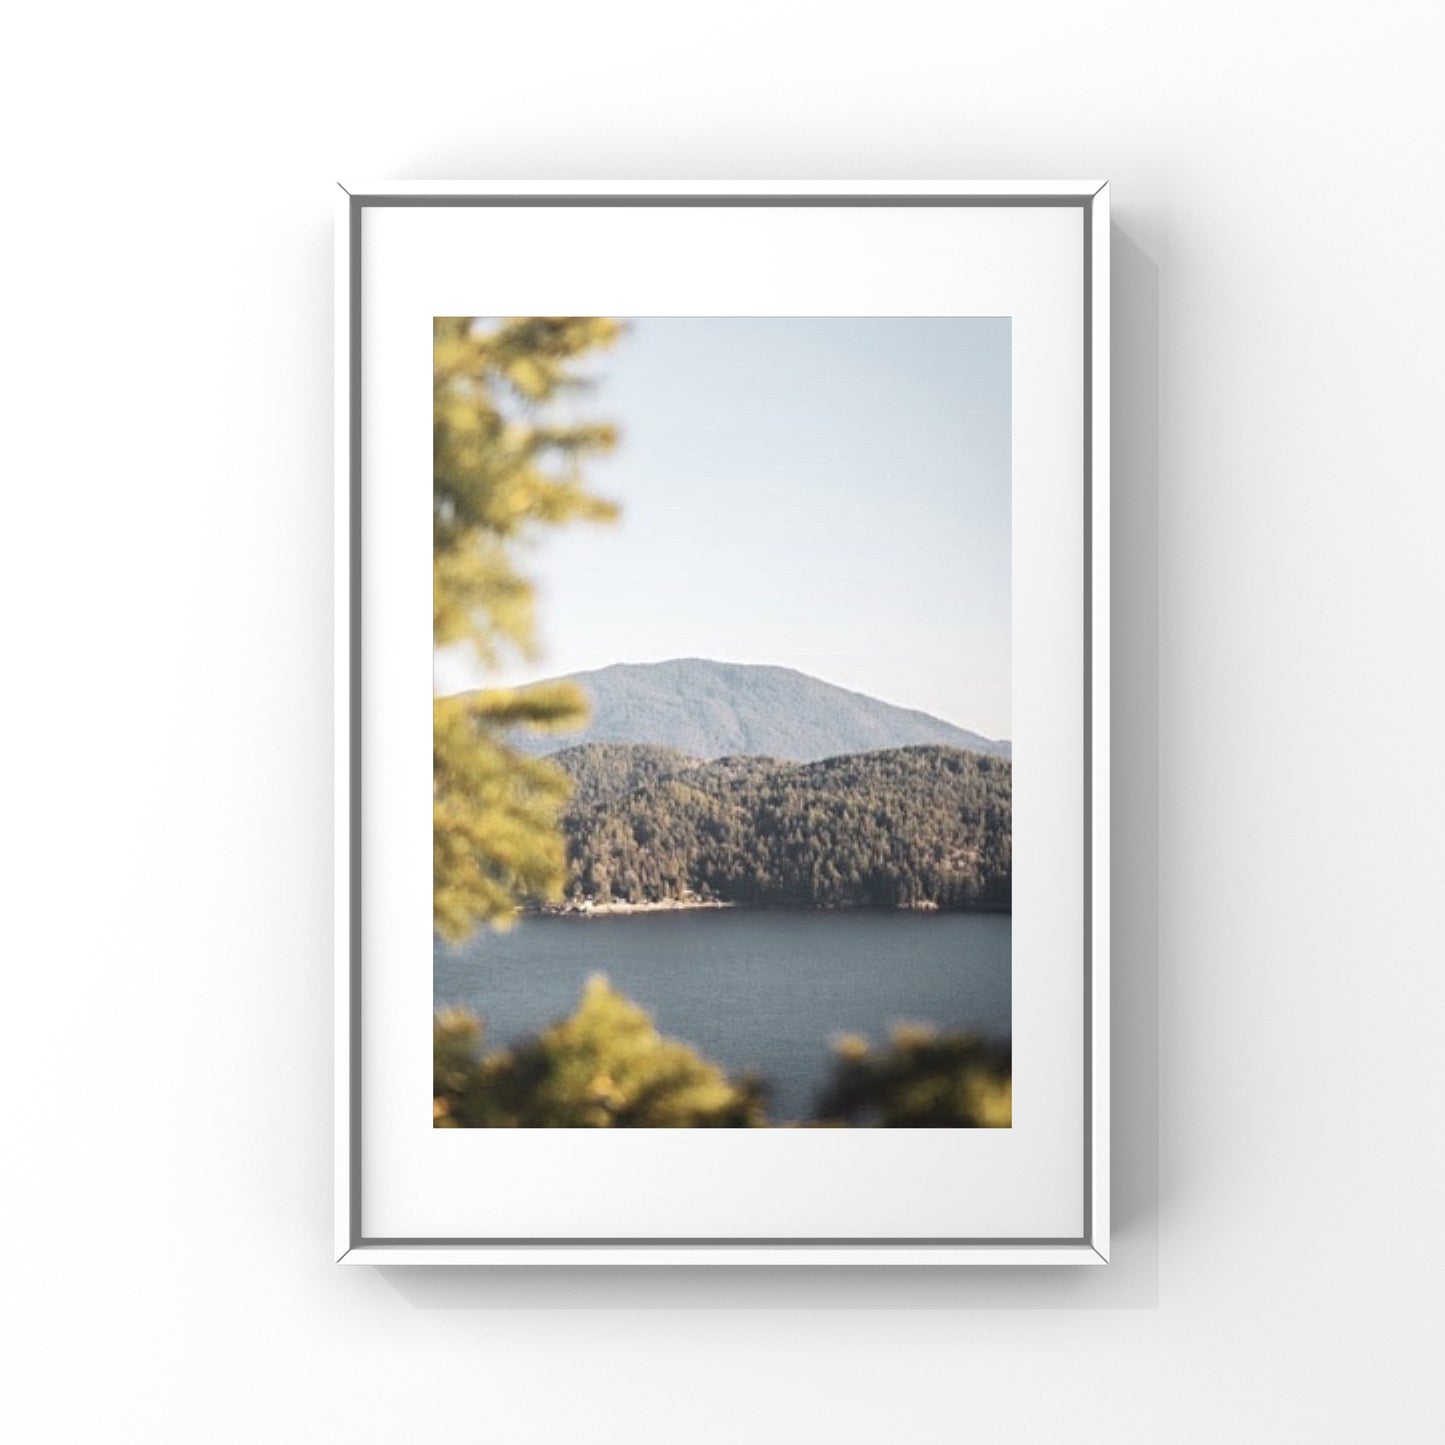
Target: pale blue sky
x,y
825,494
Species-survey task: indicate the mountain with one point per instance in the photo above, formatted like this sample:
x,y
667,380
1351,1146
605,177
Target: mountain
x,y
724,709
919,827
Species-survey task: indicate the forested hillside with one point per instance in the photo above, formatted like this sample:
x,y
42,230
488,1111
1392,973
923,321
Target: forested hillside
x,y
919,827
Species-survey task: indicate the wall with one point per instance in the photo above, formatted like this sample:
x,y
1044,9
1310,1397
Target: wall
x,y
165,573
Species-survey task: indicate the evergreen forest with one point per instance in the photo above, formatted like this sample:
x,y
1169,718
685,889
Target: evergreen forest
x,y
918,827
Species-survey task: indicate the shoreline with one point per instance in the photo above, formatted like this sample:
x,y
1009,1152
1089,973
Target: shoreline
x,y
691,905
619,910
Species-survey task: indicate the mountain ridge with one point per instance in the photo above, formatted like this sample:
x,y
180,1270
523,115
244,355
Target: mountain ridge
x,y
713,710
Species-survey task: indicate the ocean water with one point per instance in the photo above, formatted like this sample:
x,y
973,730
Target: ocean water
x,y
749,988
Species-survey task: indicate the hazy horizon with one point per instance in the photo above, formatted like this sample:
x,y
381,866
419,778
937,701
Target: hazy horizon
x,y
830,496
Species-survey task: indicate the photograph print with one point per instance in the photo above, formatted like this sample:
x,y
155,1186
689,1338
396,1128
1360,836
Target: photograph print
x,y
722,780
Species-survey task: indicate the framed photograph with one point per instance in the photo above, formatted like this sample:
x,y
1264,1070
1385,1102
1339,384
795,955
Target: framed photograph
x,y
769,547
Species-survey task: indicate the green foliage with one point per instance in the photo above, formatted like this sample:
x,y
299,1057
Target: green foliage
x,y
501,471
605,1067
494,822
603,773
922,827
925,1080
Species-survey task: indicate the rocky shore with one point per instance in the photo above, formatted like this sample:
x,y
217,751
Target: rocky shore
x,y
588,909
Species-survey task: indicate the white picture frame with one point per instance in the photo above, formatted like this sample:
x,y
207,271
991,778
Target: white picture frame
x,y
360,1130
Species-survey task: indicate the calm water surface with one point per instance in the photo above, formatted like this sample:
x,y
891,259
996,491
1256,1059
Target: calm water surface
x,y
760,989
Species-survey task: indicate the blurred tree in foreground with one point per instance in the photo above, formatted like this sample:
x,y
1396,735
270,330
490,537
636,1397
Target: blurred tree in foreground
x,y
924,1080
500,471
605,1067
